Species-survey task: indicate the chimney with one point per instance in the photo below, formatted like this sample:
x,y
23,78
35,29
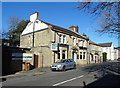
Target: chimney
x,y
76,29
34,16
73,28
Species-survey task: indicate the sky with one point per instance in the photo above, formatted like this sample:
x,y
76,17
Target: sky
x,y
62,14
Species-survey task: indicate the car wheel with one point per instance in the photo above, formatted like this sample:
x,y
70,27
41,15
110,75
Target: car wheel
x,y
74,66
64,68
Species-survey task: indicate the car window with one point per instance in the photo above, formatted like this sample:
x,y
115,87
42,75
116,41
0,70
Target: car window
x,y
67,60
70,60
60,61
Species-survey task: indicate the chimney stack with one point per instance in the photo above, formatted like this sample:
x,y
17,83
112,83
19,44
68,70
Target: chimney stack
x,y
74,28
34,16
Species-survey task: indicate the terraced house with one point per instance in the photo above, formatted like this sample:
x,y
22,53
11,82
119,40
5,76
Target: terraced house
x,y
49,42
95,53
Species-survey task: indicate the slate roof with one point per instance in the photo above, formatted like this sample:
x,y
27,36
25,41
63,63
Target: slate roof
x,y
105,44
66,31
91,42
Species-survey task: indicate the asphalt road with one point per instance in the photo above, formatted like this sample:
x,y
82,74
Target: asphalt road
x,y
91,75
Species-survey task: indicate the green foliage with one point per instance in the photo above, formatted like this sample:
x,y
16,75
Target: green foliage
x,y
14,35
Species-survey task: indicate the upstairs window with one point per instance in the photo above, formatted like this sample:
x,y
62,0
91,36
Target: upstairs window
x,y
64,39
74,42
60,39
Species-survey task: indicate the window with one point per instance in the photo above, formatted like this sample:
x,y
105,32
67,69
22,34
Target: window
x,y
77,56
91,57
70,60
84,55
80,55
64,39
58,55
74,41
81,43
63,54
60,38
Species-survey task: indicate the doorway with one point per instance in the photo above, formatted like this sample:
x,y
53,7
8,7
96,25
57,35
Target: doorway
x,y
36,61
72,55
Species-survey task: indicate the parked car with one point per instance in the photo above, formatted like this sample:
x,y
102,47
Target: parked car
x,y
118,59
63,64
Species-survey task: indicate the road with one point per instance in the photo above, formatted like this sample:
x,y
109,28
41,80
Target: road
x,y
90,75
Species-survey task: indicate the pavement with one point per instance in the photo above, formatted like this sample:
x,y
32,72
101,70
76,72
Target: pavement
x,y
40,71
85,75
34,72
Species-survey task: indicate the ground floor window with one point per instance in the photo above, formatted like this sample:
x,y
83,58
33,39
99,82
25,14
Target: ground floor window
x,y
80,55
63,54
84,55
92,57
77,56
58,55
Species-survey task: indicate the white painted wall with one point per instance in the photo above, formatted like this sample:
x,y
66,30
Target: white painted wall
x,y
34,22
110,52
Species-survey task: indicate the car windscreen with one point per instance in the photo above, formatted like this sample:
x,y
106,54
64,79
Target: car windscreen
x,y
60,61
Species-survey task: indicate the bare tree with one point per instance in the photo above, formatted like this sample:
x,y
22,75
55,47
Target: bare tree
x,y
13,22
107,12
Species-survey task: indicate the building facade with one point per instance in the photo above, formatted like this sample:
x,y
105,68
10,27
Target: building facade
x,y
50,42
117,52
95,53
108,49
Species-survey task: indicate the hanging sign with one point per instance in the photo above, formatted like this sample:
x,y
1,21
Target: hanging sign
x,y
54,46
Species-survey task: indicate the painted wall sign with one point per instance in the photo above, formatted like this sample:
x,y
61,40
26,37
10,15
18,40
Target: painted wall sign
x,y
54,46
21,56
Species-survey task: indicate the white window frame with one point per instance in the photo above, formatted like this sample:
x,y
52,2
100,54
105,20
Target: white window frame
x,y
80,55
64,39
84,58
60,38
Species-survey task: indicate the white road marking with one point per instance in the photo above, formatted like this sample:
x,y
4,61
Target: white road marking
x,y
68,80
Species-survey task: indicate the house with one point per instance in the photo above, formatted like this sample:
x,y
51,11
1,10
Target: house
x,y
95,53
49,42
117,52
108,50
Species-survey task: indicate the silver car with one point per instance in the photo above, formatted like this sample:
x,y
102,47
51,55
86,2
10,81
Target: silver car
x,y
63,64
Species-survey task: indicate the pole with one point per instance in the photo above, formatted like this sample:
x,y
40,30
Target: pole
x,y
42,61
33,33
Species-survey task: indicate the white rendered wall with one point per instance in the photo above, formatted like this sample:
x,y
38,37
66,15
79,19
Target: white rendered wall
x,y
37,26
34,24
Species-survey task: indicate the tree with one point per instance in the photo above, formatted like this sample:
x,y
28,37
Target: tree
x,y
13,23
17,32
15,29
108,15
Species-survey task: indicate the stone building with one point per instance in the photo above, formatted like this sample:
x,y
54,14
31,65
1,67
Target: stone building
x,y
117,52
49,42
95,53
108,49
